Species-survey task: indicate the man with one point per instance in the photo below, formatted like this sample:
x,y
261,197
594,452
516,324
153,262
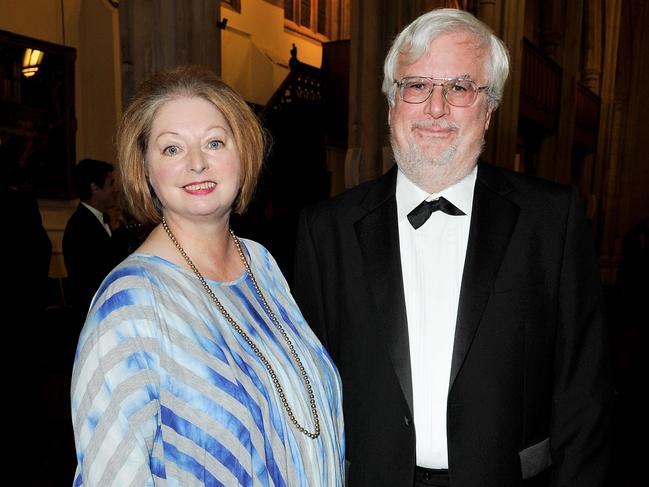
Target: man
x,y
87,249
471,340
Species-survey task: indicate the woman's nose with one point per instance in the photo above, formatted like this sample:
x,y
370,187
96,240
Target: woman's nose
x,y
197,162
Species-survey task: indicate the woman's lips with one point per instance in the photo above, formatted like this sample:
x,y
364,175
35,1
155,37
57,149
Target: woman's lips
x,y
201,187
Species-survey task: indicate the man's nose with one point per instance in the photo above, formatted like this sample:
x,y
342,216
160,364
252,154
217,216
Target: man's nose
x,y
436,106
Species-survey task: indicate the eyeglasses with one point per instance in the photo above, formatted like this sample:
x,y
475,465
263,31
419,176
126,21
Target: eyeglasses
x,y
456,91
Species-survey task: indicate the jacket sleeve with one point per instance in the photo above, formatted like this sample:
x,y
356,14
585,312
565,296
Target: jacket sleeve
x,y
582,395
307,283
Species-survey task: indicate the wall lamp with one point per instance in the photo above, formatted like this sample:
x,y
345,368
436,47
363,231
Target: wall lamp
x,y
31,61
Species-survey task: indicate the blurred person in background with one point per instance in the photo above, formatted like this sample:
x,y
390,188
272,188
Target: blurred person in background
x,y
88,251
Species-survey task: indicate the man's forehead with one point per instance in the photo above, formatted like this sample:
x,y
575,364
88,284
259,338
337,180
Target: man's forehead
x,y
474,56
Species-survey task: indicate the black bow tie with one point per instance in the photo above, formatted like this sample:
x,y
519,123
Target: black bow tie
x,y
419,215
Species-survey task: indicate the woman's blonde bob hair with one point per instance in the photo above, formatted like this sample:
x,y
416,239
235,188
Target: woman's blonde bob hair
x,y
135,129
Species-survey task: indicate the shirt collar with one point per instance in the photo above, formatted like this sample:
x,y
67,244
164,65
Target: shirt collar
x,y
409,195
95,212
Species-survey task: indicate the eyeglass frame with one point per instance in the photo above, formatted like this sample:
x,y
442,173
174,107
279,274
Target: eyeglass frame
x,y
478,89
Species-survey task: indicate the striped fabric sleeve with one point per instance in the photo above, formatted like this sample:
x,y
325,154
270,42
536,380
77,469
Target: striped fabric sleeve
x,y
115,386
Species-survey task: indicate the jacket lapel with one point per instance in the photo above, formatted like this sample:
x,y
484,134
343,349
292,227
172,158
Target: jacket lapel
x,y
492,222
92,224
378,239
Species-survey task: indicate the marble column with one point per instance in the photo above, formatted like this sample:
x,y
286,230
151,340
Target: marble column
x,y
156,34
568,55
506,18
592,70
611,126
374,24
553,26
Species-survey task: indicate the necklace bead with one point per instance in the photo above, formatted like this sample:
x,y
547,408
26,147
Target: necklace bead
x,y
248,340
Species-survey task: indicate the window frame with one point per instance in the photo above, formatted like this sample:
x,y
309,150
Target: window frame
x,y
232,5
311,30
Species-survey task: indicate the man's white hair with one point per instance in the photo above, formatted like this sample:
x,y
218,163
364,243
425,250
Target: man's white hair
x,y
414,41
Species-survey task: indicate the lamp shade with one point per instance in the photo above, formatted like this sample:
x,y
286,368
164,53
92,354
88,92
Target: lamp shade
x,y
31,61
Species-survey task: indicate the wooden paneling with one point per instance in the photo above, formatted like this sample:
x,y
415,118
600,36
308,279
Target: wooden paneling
x,y
540,87
586,118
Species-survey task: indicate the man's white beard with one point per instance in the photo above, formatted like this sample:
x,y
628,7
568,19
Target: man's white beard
x,y
434,173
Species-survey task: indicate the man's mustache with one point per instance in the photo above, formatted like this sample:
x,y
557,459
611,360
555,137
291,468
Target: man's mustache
x,y
441,124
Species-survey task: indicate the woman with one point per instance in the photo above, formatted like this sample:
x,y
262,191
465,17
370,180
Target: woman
x,y
195,364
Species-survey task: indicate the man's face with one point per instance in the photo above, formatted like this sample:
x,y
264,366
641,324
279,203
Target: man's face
x,y
436,144
105,198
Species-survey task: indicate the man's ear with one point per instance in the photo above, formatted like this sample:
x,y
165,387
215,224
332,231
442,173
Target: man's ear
x,y
488,119
94,188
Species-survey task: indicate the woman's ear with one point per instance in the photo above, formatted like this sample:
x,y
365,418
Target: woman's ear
x,y
156,201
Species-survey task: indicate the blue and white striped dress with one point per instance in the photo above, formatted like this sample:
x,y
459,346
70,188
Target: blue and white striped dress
x,y
166,392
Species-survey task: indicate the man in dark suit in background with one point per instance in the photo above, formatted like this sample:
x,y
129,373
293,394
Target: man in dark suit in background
x,y
87,248
471,340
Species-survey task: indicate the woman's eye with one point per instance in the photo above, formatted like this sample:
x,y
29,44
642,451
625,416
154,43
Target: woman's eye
x,y
215,144
172,150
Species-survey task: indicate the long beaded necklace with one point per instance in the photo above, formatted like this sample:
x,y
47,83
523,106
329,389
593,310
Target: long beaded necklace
x,y
248,340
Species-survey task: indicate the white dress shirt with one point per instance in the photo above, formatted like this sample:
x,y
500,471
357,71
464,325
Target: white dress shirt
x,y
432,262
100,217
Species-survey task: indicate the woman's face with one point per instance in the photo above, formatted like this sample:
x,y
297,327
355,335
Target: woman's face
x,y
192,160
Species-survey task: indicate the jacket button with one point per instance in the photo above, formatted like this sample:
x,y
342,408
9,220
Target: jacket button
x,y
406,420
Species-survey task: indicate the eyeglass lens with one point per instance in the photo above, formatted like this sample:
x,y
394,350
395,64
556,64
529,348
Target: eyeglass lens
x,y
458,92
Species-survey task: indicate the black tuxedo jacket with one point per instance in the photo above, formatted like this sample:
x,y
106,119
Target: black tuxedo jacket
x,y
529,390
89,256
